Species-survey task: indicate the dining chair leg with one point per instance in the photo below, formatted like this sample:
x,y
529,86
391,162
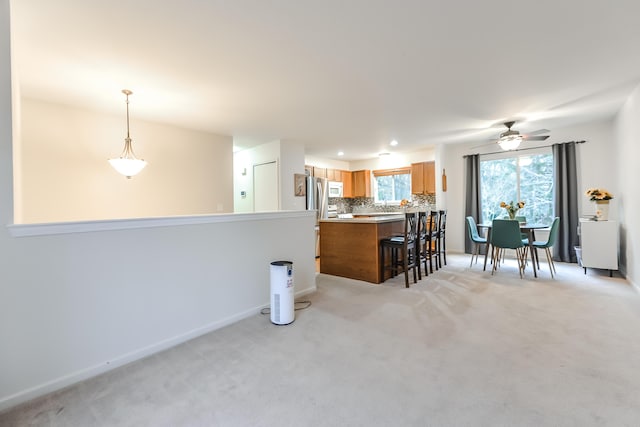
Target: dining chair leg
x,y
475,252
552,267
521,261
495,257
486,254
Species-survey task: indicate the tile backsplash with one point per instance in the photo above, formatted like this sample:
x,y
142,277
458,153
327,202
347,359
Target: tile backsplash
x,y
366,204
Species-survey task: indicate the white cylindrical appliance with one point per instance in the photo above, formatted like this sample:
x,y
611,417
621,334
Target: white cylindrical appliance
x,y
282,293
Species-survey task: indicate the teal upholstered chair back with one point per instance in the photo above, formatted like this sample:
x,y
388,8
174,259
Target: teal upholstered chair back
x,y
553,233
505,233
472,229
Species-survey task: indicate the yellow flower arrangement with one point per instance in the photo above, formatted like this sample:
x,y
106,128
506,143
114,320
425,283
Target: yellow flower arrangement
x,y
596,194
404,202
512,208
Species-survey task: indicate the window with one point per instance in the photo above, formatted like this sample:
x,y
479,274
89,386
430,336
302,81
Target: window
x,y
392,185
525,177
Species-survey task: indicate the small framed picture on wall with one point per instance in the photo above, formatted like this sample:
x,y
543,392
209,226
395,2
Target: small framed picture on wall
x,y
300,187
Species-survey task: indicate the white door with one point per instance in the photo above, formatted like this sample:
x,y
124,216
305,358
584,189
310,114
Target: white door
x,y
265,187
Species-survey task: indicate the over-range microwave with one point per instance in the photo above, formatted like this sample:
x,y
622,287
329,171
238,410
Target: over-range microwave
x,y
335,189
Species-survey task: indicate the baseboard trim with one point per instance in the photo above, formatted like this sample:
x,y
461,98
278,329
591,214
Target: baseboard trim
x,y
108,365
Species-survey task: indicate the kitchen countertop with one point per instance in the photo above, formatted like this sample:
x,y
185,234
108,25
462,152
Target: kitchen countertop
x,y
376,213
368,220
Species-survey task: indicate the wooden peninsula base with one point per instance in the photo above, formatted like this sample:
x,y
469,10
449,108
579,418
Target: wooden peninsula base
x,y
351,247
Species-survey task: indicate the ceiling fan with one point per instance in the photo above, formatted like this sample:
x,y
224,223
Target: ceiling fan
x,y
511,139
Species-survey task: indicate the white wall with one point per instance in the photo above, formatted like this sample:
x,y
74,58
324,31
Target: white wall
x,y
290,159
65,176
596,167
627,129
76,304
291,163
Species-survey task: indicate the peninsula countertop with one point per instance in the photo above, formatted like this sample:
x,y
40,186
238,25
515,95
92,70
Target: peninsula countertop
x,y
378,219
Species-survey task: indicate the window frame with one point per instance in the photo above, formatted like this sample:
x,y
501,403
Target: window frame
x,y
516,154
405,170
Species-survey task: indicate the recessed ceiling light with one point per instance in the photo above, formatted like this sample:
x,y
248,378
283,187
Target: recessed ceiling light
x,y
340,153
393,143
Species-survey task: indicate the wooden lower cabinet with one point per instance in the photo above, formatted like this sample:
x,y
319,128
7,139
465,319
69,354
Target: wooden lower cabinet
x,y
350,249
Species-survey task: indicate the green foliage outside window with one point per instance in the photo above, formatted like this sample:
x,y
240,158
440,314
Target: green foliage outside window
x,y
526,177
393,188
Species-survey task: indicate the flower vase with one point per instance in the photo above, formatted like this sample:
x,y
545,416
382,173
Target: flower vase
x,y
602,210
512,215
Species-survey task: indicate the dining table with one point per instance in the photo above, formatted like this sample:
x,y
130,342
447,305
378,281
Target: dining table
x,y
525,227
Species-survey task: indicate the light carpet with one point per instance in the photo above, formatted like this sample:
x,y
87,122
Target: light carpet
x,y
460,348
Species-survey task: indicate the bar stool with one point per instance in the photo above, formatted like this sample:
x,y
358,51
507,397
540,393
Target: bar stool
x,y
426,229
403,250
442,234
434,218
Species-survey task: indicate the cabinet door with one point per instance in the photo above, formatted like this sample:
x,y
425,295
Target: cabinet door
x,y
347,184
599,242
417,178
423,178
329,175
362,183
319,172
429,170
308,170
337,175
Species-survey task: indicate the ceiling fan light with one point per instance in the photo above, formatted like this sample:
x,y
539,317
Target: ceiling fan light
x,y
511,142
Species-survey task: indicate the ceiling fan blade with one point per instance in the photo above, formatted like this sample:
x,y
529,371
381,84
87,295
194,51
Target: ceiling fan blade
x,y
539,131
536,138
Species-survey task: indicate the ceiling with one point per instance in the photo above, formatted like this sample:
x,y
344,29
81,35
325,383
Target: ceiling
x,y
334,75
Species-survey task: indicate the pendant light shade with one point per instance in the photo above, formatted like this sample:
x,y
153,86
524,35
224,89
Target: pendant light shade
x,y
128,164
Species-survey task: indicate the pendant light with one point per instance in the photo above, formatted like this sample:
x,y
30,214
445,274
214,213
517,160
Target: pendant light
x,y
127,164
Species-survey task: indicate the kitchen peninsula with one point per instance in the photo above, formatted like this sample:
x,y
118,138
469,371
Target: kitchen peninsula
x,y
350,247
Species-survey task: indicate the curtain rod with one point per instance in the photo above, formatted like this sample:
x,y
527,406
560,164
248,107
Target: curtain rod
x,y
522,149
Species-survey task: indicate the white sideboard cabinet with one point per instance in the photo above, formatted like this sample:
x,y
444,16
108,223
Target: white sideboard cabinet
x,y
599,243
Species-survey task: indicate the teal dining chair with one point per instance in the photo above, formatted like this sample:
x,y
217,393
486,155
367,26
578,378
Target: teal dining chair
x,y
551,240
505,234
525,236
476,239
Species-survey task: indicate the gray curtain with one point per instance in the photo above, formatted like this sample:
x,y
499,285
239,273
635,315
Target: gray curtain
x,y
472,195
565,200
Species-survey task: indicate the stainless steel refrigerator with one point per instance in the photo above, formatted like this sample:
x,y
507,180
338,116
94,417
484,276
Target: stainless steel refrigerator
x,y
318,200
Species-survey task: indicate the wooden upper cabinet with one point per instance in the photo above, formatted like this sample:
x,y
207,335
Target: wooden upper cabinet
x,y
319,172
347,184
423,178
417,178
334,175
430,177
308,170
362,183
